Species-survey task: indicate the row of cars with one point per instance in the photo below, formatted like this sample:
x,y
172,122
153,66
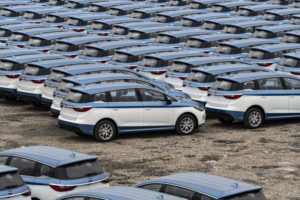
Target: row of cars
x,y
49,173
102,60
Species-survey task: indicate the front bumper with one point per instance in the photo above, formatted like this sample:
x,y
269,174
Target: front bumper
x,y
46,102
78,128
55,112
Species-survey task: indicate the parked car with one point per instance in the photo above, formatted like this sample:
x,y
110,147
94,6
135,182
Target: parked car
x,y
289,63
52,172
256,10
36,15
145,13
231,6
274,31
173,16
203,186
58,19
87,104
254,98
12,186
11,69
76,4
219,23
247,27
201,79
127,9
106,5
280,14
181,68
202,4
119,192
156,65
198,19
18,10
291,37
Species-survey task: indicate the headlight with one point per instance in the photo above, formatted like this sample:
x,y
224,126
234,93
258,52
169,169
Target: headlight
x,y
200,108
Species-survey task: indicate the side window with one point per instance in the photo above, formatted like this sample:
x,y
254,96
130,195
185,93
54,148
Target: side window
x,y
180,192
124,95
249,85
153,187
270,84
46,171
199,196
26,167
151,95
100,97
3,160
291,84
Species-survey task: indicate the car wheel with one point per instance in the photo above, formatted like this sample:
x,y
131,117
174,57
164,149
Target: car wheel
x,y
186,124
226,120
10,98
254,118
105,131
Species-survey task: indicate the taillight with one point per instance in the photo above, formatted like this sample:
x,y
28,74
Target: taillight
x,y
20,46
104,61
72,56
83,109
233,97
132,67
45,50
102,34
296,73
204,88
27,194
38,81
182,78
158,72
265,64
106,181
13,76
62,188
79,30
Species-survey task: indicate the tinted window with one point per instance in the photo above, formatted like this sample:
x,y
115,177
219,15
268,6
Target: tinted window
x,y
36,71
291,38
26,167
10,181
263,34
100,97
180,67
260,54
166,39
200,77
3,160
78,97
212,26
153,187
124,95
197,43
125,58
249,196
290,62
46,171
226,85
180,192
227,49
292,83
163,19
272,17
56,76
270,84
151,95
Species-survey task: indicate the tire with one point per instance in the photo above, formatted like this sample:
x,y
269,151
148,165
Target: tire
x,y
186,124
10,98
226,120
254,118
105,131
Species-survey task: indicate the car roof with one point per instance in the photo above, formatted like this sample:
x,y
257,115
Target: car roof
x,y
68,13
86,39
219,36
138,24
183,33
21,26
20,8
57,35
39,30
31,58
120,20
175,55
90,78
124,193
51,156
136,51
243,77
116,44
294,32
156,9
211,185
59,62
261,7
294,55
182,12
286,11
15,52
229,19
7,169
77,69
235,3
131,6
207,60
9,21
277,47
45,10
154,29
206,16
110,3
247,24
91,16
249,42
279,28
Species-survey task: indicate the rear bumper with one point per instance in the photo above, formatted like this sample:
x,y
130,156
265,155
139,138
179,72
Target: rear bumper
x,y
30,97
78,128
8,92
46,102
55,112
217,113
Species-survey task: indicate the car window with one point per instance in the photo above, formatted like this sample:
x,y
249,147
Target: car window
x,y
249,85
3,160
180,192
46,171
126,95
26,167
100,97
151,95
199,196
270,84
153,187
291,83
10,181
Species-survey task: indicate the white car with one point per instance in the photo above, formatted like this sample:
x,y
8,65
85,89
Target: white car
x,y
253,98
105,110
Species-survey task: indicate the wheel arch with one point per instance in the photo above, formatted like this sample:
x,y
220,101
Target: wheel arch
x,y
108,119
190,113
258,107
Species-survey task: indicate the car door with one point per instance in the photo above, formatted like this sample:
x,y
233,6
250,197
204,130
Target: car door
x,y
126,109
272,97
158,110
293,88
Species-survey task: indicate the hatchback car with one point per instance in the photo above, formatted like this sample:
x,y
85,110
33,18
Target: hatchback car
x,y
201,79
119,192
289,63
253,98
173,16
12,186
255,10
202,4
219,23
53,172
280,14
102,111
198,20
146,13
105,6
127,9
247,27
231,6
194,185
291,37
268,32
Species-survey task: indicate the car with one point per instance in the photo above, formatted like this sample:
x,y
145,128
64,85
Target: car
x,y
195,185
255,10
240,48
33,77
72,47
76,4
102,111
130,57
173,16
296,4
58,19
289,63
269,55
11,69
124,28
102,52
202,4
253,98
295,19
52,172
156,65
201,79
178,2
36,15
280,14
198,19
18,10
146,13
102,78
291,37
12,186
274,31
181,68
231,5
119,192
56,2
105,6
282,2
127,9
219,23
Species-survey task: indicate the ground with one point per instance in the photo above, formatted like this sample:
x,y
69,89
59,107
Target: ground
x,y
268,156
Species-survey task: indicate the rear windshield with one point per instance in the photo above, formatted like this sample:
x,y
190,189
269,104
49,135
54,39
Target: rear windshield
x,y
162,19
165,39
55,2
137,35
36,42
233,30
189,22
95,8
139,15
153,62
4,33
263,34
180,67
272,17
30,15
7,13
249,196
197,43
53,19
125,58
200,77
55,76
291,38
36,71
94,52
217,8
100,26
290,62
196,5
7,66
80,170
260,54
75,22
295,20
246,12
65,86
226,85
73,5
116,12
19,37
10,181
227,49
212,26
119,30
62,46
78,97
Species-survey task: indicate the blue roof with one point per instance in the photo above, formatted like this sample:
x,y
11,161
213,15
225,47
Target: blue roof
x,y
226,20
185,32
91,16
116,44
219,36
293,55
86,39
68,13
7,169
20,8
155,29
118,20
39,30
249,42
253,23
295,32
156,9
138,24
277,47
57,35
175,55
207,60
211,185
124,193
59,62
286,11
236,3
206,16
21,26
75,69
182,12
32,58
110,3
131,6
262,7
18,51
44,10
279,28
137,51
51,156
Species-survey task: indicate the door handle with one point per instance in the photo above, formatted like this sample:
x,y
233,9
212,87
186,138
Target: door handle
x,y
115,109
147,108
292,97
263,97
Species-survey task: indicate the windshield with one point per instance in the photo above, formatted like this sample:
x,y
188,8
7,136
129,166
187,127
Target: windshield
x,y
212,26
100,26
290,62
200,77
249,196
272,17
291,38
217,8
260,54
180,67
115,12
55,76
65,86
197,43
165,39
4,65
94,8
10,181
75,22
123,57
94,52
139,15
188,22
162,19
52,19
4,33
227,49
18,37
35,42
225,85
263,34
